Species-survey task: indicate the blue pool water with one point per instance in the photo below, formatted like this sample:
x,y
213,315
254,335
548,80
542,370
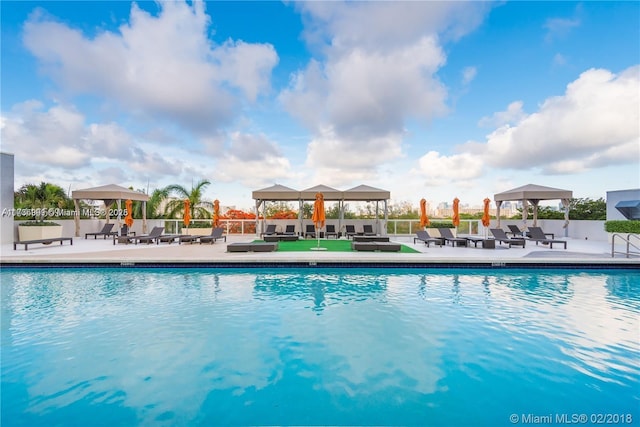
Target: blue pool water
x,y
194,347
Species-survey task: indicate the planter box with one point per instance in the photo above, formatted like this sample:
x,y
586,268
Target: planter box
x,y
196,231
26,233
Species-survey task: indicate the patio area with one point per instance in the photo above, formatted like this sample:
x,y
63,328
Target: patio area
x,y
578,252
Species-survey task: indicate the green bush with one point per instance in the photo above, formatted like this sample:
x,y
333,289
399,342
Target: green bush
x,y
199,224
622,226
440,224
38,224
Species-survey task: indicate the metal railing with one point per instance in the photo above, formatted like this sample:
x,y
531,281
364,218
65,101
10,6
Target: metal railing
x,y
395,227
628,245
231,226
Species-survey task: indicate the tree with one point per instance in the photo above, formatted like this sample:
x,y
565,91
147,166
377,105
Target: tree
x,y
281,210
579,209
197,205
40,198
588,209
153,205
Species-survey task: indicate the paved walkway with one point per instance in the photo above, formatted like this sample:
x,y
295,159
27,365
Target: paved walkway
x,y
104,251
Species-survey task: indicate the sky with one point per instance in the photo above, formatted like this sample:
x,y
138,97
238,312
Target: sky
x,y
428,99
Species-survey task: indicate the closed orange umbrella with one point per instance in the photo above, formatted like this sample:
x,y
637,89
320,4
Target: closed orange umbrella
x,y
424,219
216,213
486,220
318,217
456,212
129,218
187,212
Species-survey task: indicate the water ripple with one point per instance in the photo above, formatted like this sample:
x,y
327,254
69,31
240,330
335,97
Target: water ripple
x,y
199,347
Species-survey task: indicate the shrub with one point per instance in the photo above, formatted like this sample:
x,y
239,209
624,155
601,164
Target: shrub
x,y
622,226
440,224
201,224
38,224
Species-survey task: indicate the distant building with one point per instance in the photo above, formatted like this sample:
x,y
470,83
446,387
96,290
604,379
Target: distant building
x,y
623,204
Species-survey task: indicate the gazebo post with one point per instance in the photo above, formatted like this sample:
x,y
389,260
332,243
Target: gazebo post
x,y
76,217
144,217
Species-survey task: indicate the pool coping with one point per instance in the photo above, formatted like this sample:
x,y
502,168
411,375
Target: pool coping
x,y
89,254
348,263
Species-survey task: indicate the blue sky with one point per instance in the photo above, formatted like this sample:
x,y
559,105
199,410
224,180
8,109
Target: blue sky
x,y
430,100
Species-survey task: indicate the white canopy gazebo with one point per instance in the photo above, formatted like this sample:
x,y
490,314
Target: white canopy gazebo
x,y
533,194
279,192
108,194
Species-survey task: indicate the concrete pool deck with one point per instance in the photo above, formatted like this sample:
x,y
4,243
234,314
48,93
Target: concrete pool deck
x,y
100,251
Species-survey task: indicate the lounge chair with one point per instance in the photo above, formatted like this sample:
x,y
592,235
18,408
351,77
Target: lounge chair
x,y
106,231
331,231
448,236
368,230
170,238
501,237
216,233
271,229
515,231
310,230
290,230
153,236
539,230
423,236
350,231
537,235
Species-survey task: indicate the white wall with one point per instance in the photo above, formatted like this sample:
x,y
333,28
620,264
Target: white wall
x,y
6,198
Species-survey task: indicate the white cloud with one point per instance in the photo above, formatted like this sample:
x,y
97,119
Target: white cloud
x,y
513,115
55,137
559,27
160,65
438,170
468,74
364,85
252,160
598,112
594,124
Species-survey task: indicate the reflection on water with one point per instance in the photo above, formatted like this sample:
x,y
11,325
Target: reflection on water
x,y
331,347
322,289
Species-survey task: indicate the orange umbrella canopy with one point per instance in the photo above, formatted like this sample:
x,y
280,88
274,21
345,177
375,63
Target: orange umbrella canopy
x,y
216,213
424,219
187,212
129,218
486,220
318,217
456,212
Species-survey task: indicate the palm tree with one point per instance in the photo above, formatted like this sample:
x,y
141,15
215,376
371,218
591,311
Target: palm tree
x,y
41,197
153,205
198,206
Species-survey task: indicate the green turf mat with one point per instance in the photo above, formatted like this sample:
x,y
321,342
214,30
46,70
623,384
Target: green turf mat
x,y
330,245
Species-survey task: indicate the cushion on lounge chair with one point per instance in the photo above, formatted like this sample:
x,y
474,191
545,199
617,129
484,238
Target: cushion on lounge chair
x,y
448,236
310,230
331,231
423,236
536,234
501,236
368,230
106,231
216,233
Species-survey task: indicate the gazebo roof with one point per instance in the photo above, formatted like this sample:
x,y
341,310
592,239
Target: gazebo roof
x,y
533,192
366,193
328,193
276,192
109,192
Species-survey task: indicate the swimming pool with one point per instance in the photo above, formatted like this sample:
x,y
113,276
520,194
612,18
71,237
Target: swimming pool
x,y
318,347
